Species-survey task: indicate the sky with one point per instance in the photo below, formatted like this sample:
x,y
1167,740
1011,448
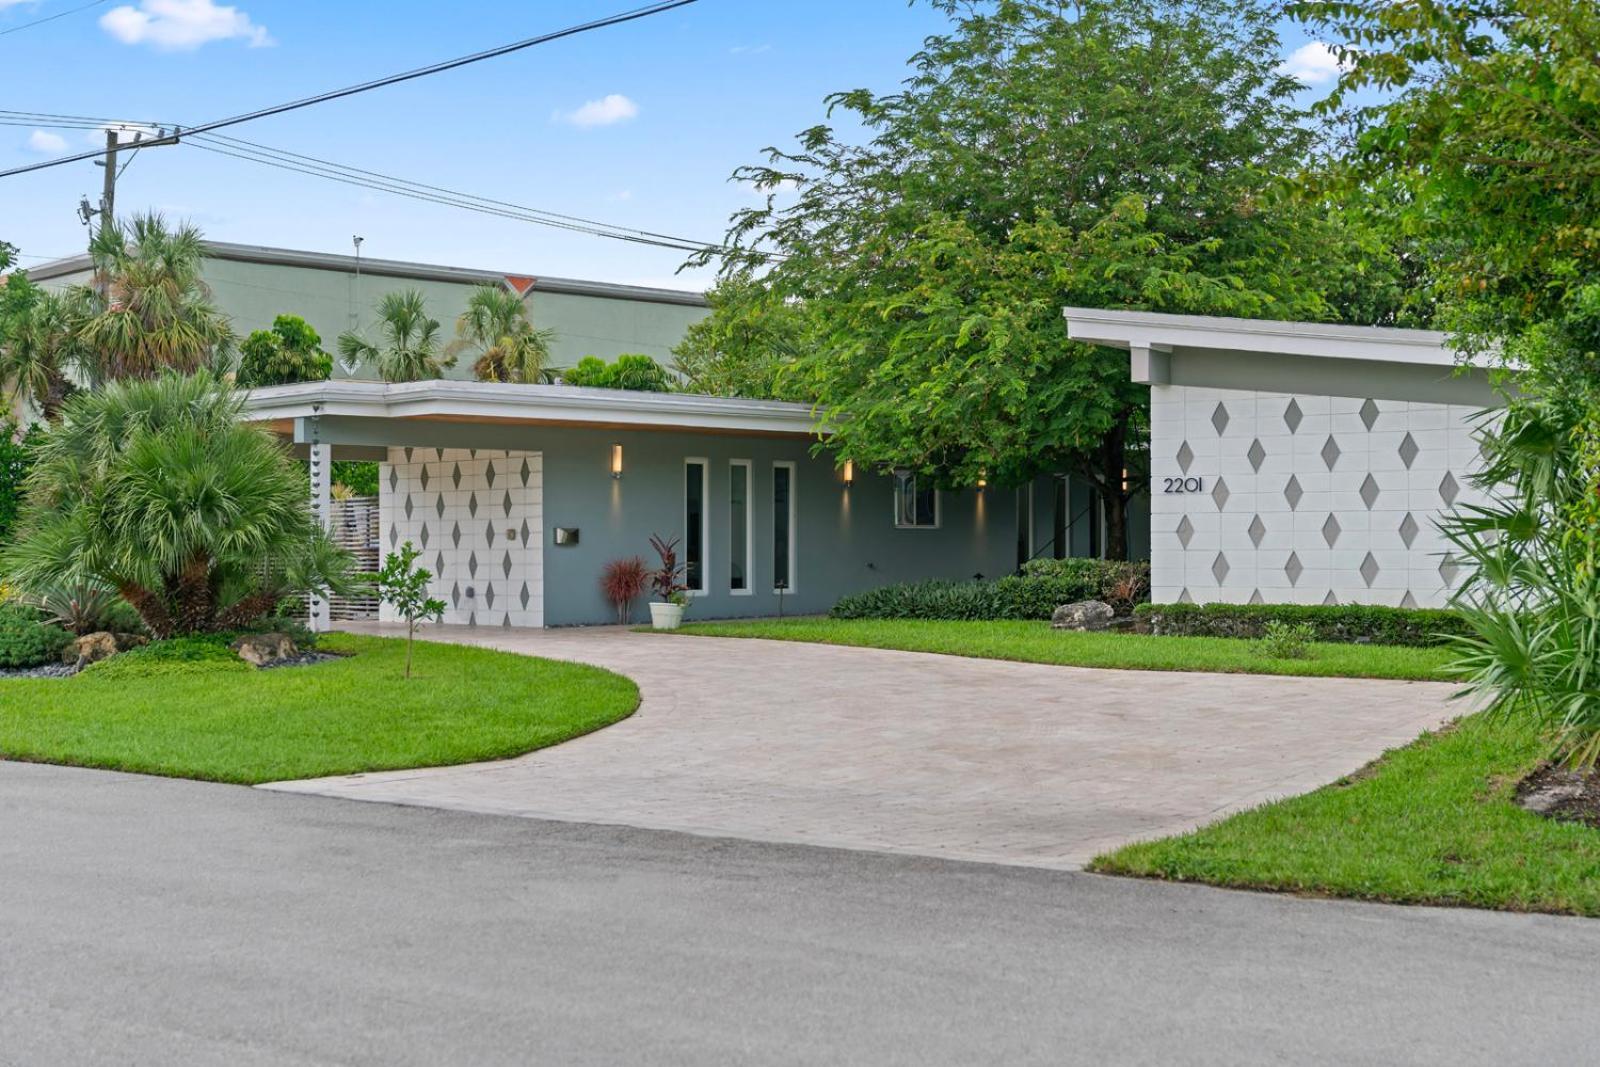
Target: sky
x,y
639,125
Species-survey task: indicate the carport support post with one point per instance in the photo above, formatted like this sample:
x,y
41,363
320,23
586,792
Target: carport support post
x,y
319,616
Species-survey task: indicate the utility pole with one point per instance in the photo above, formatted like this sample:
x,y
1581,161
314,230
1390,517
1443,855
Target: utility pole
x,y
108,193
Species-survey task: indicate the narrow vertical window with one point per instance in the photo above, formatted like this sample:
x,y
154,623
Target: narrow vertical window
x,y
694,525
783,526
916,505
739,526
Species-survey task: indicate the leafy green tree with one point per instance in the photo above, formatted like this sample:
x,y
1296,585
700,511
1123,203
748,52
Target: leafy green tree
x,y
1111,153
410,347
496,326
358,476
630,371
156,489
42,346
405,588
147,309
290,352
16,458
747,346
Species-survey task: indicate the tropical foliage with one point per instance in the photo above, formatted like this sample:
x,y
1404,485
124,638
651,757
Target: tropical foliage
x,y
156,489
630,371
747,345
16,457
290,352
404,587
409,348
496,327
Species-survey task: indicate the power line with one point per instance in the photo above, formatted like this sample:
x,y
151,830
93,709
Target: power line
x,y
52,18
378,83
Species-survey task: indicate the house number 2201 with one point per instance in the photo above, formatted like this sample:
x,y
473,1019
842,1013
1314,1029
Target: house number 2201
x,y
1183,485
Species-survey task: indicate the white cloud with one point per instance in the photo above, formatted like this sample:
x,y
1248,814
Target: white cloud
x,y
48,143
181,25
1314,64
606,111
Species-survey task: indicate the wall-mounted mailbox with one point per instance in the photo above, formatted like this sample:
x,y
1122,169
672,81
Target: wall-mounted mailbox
x,y
566,535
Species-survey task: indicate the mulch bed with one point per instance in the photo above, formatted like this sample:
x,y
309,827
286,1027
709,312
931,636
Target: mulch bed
x,y
1562,794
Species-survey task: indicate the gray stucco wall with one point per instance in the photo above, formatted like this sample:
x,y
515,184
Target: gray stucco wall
x,y
846,539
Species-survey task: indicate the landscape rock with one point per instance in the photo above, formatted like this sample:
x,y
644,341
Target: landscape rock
x,y
92,648
262,649
1083,615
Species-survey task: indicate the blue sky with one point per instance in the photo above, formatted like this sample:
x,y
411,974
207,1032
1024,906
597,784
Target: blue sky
x,y
639,125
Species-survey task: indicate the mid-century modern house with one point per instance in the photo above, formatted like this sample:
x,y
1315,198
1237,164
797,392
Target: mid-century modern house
x,y
1297,462
252,285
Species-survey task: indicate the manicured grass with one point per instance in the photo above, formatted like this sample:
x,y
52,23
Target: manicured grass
x,y
1431,823
339,717
1036,642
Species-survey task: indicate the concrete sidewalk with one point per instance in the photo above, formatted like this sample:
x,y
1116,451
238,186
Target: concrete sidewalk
x,y
914,753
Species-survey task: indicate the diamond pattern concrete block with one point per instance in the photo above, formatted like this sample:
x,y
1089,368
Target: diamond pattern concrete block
x,y
438,454
1409,529
455,535
505,565
526,472
425,478
438,565
455,475
394,480
1331,452
506,504
1184,597
488,595
1292,416
1292,493
472,565
472,619
1369,414
1185,531
1258,530
1220,568
1409,450
1449,489
1257,455
1330,601
488,474
1449,570
1257,598
524,596
472,505
1369,491
1369,570
1294,569
438,506
1408,601
1331,530
408,505
425,536
526,533
1185,457
394,536
507,624
1220,494
488,534
1220,418
455,594
408,455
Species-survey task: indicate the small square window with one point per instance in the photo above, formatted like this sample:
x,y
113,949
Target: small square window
x,y
916,504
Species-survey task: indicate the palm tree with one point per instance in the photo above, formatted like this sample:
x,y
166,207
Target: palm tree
x,y
410,348
151,310
40,349
496,325
157,490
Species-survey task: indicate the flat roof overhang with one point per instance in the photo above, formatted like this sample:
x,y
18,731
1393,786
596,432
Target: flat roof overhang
x,y
285,409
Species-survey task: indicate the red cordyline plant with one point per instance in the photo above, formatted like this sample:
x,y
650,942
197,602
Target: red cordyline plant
x,y
622,580
667,580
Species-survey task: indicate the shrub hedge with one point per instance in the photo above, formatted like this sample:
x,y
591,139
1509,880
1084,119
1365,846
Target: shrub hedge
x,y
1044,586
26,640
1348,623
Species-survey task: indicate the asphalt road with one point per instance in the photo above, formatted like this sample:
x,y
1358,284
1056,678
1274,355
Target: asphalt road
x,y
153,921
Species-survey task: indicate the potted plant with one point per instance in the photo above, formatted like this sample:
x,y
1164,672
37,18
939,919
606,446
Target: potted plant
x,y
666,581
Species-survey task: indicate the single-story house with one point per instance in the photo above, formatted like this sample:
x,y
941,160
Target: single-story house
x,y
1299,462
518,495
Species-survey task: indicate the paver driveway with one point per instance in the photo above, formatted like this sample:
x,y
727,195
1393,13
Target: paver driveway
x,y
917,753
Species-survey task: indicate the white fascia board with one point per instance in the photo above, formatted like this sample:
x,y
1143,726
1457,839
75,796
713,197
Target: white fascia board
x,y
1163,332
473,401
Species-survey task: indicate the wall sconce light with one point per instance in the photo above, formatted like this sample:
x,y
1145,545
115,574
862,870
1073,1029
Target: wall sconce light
x,y
616,461
983,480
849,473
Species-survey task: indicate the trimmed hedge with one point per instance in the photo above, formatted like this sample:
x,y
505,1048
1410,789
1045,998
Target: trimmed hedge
x,y
27,641
1346,623
1044,586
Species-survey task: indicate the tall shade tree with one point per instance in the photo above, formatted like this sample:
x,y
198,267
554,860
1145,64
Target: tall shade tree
x,y
1042,153
409,348
747,346
156,489
147,308
509,349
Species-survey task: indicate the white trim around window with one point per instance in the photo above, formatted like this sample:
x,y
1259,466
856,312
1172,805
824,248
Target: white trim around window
x,y
792,521
901,480
704,464
745,465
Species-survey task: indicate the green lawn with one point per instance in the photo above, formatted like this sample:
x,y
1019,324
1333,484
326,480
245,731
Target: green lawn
x,y
1431,823
339,717
1036,642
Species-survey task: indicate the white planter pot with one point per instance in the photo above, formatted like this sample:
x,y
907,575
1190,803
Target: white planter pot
x,y
665,616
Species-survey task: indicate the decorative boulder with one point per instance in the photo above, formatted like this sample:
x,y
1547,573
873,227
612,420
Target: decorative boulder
x,y
262,649
92,648
1083,615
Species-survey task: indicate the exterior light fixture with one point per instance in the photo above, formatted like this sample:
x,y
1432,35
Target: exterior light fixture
x,y
849,473
983,480
616,461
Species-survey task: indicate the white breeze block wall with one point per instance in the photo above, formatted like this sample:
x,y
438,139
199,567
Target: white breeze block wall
x,y
478,517
1305,499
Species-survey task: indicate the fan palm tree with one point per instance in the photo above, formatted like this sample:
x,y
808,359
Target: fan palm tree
x,y
509,349
410,341
157,490
152,312
41,348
